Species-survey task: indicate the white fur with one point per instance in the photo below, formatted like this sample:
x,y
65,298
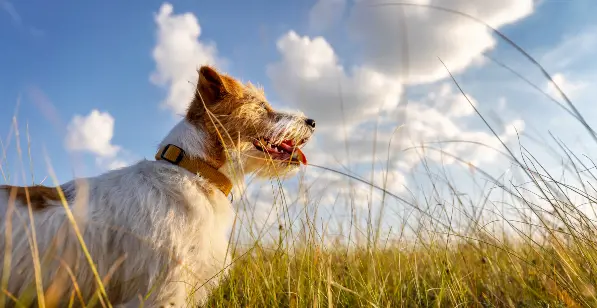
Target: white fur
x,y
185,136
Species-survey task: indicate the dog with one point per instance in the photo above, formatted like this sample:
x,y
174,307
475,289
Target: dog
x,y
155,233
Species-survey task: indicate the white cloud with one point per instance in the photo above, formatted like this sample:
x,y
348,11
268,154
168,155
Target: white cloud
x,y
445,115
310,77
458,41
326,13
347,101
442,115
570,88
178,54
93,134
357,107
393,181
450,103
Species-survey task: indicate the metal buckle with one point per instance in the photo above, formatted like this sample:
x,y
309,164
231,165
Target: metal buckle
x,y
178,159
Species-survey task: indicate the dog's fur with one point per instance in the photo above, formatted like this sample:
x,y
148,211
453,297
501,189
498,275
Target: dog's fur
x,y
157,234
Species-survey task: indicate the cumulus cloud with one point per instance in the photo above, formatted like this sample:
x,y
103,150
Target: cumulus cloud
x,y
446,115
364,129
348,101
178,54
326,13
93,134
443,115
309,76
406,41
346,104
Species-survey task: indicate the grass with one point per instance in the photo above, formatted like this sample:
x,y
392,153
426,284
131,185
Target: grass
x,y
470,274
535,257
523,243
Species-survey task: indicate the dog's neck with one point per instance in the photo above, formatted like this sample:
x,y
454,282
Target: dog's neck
x,y
198,144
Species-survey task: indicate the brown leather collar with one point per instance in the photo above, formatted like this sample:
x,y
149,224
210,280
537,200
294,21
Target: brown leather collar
x,y
177,156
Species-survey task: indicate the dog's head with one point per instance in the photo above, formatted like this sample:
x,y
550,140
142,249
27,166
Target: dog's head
x,y
245,126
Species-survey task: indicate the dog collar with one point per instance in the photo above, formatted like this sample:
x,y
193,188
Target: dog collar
x,y
178,157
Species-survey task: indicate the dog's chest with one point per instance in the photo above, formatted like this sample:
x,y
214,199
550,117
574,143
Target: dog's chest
x,y
203,240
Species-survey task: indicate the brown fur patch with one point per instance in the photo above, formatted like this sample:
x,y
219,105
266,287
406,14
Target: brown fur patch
x,y
38,196
240,113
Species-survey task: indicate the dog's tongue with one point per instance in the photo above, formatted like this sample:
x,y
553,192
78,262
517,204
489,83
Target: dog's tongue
x,y
296,152
300,156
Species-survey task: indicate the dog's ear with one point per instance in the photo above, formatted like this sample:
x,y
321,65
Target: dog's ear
x,y
210,86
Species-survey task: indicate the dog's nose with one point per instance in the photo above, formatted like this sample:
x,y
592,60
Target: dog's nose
x,y
310,122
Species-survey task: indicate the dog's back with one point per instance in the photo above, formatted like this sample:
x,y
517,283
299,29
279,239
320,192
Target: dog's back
x,y
56,260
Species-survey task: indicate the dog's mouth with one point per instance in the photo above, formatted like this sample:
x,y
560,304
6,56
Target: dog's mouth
x,y
287,150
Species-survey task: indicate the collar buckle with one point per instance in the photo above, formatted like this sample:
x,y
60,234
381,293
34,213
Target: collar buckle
x,y
179,157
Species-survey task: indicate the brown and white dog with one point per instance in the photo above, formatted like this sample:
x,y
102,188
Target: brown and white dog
x,y
156,232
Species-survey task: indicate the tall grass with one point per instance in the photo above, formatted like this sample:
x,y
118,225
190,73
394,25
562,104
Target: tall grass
x,y
531,265
530,244
528,240
536,249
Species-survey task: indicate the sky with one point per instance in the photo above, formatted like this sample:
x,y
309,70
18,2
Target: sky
x,y
95,85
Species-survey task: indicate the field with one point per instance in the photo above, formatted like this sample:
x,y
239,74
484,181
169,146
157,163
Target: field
x,y
534,258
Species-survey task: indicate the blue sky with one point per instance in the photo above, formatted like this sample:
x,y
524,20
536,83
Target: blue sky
x,y
65,59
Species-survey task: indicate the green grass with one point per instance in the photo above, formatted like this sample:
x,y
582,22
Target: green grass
x,y
470,274
532,258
